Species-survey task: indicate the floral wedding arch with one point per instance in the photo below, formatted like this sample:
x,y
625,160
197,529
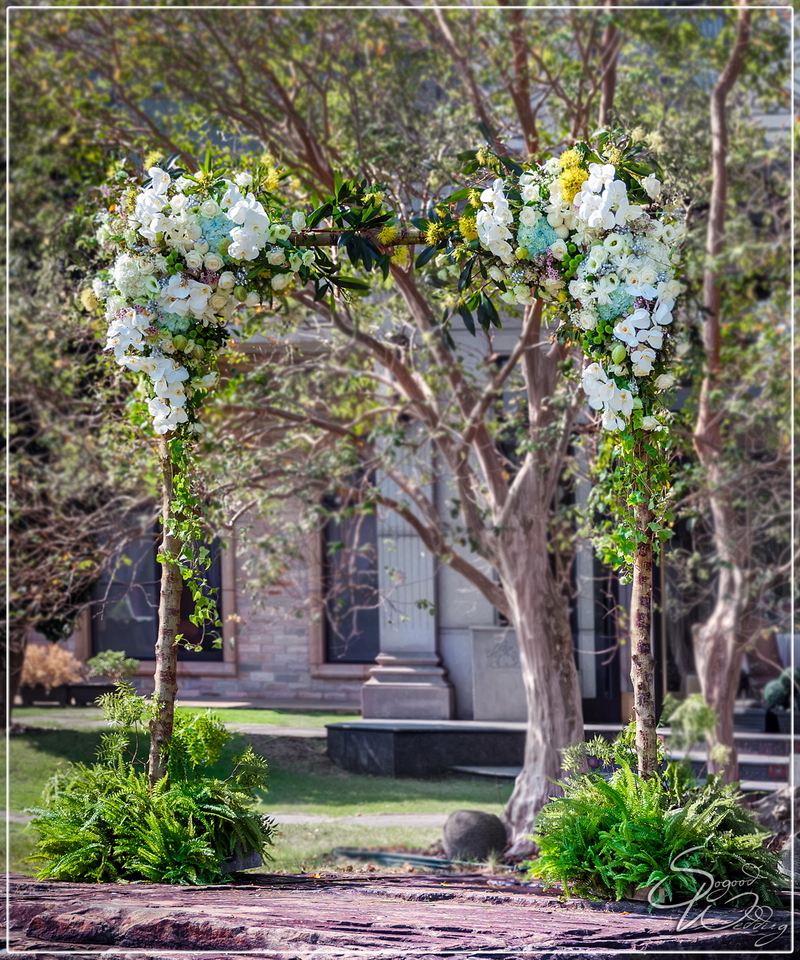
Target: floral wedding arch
x,y
582,231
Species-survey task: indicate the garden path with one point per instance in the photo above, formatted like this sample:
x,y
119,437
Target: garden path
x,y
352,917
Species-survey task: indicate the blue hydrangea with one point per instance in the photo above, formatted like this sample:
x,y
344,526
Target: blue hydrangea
x,y
174,323
215,230
538,238
621,304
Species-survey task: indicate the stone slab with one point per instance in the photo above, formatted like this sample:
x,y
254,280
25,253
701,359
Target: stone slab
x,y
349,917
402,750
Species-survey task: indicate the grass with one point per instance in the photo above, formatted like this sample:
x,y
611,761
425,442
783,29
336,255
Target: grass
x,y
295,787
66,717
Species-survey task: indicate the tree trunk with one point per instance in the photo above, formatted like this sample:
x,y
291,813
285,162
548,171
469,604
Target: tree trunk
x,y
719,645
555,710
717,639
642,661
16,638
169,617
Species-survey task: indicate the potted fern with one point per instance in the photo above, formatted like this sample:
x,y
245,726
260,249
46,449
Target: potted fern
x,y
617,835
104,822
111,666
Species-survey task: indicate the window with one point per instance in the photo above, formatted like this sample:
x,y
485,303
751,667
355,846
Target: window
x,y
350,588
124,613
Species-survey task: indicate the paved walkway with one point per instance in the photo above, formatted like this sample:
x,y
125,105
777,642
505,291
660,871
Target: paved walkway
x,y
431,821
357,917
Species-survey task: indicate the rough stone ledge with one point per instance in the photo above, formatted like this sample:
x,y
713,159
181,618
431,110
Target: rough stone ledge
x,y
346,917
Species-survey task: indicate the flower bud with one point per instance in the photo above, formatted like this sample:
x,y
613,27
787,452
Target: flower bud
x,y
240,293
619,353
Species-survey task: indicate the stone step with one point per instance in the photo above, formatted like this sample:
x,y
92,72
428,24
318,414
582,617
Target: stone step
x,y
419,748
507,774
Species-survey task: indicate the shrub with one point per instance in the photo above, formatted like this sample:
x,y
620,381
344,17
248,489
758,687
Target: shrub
x,y
104,823
783,693
113,665
610,837
49,665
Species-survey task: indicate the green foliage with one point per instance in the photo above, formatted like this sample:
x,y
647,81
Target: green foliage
x,y
112,664
610,837
690,720
785,691
104,823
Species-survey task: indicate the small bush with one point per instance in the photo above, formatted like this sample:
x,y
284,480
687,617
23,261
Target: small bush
x,y
113,665
49,665
610,837
783,693
104,823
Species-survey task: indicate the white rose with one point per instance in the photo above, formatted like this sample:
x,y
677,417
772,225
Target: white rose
x,y
522,293
562,232
252,299
298,220
243,179
209,208
650,423
276,257
201,247
178,202
652,186
226,281
213,261
496,274
587,320
281,281
217,301
558,249
280,231
528,216
193,260
664,381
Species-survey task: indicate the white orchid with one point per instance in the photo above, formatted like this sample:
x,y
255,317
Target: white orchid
x,y
643,360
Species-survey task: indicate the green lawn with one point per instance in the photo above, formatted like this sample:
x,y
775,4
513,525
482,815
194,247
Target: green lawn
x,y
68,716
295,787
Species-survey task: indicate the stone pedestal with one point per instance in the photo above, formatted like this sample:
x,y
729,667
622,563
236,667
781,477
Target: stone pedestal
x,y
408,684
498,691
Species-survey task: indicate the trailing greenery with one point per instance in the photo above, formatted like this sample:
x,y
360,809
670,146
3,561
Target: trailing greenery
x,y
104,823
613,834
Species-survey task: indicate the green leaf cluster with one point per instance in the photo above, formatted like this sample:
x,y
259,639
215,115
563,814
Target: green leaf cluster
x,y
104,823
609,836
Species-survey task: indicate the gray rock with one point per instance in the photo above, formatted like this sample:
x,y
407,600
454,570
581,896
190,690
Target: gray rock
x,y
473,835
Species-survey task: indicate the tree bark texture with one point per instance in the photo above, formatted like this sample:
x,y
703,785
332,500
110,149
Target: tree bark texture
x,y
719,642
642,660
555,711
169,617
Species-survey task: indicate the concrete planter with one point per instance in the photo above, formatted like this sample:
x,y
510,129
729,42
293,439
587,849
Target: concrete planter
x,y
38,694
86,693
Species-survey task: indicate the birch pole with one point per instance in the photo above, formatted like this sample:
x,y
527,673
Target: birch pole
x,y
169,618
641,615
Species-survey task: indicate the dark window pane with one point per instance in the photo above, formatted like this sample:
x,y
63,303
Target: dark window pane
x,y
125,606
351,590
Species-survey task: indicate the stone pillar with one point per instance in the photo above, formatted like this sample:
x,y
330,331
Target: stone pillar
x,y
408,681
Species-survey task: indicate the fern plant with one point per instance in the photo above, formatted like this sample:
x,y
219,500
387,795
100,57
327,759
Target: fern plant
x,y
611,837
104,823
